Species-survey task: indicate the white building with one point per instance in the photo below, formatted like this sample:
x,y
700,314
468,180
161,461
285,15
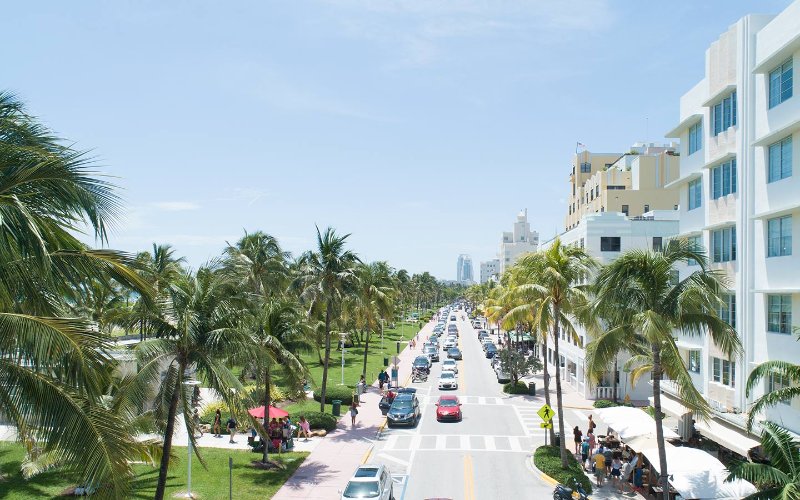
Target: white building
x,y
489,268
605,236
740,200
517,242
464,274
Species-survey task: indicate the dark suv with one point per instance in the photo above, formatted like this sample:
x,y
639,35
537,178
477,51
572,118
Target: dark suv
x,y
404,411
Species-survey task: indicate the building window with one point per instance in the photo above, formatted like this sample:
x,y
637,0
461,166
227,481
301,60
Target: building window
x,y
723,371
779,313
586,167
723,244
727,311
779,236
696,244
615,187
695,137
780,84
723,179
646,208
625,209
780,160
581,242
723,114
657,242
597,191
609,243
694,361
695,193
776,382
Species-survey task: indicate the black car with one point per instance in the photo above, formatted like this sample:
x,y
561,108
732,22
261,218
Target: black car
x,y
454,353
384,404
422,362
404,411
491,351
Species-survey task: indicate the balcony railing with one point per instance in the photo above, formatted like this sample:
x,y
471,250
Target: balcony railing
x,y
604,392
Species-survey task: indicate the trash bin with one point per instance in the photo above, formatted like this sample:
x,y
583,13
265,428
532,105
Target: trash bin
x,y
337,407
558,439
532,388
386,361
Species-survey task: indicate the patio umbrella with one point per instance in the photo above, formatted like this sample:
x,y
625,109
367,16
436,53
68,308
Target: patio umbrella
x,y
258,412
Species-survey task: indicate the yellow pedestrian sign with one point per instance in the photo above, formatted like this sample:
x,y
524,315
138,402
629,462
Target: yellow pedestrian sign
x,y
545,412
546,425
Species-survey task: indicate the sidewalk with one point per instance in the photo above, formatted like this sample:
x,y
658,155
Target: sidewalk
x,y
335,458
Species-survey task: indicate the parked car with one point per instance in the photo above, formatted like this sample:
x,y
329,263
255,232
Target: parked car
x,y
404,411
448,408
454,353
491,351
448,380
370,481
502,376
385,403
486,342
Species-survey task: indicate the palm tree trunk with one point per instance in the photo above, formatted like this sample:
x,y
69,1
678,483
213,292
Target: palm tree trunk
x,y
366,352
546,380
663,479
267,383
167,449
614,380
559,396
327,359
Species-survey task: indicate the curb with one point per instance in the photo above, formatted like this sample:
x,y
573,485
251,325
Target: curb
x,y
366,456
544,477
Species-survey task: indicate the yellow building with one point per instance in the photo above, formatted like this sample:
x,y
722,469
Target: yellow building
x,y
631,183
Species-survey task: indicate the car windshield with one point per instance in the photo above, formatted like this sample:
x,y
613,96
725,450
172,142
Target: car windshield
x,y
362,489
449,362
401,405
421,360
454,351
430,348
448,402
448,375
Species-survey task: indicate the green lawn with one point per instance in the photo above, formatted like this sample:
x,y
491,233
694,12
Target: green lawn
x,y
212,483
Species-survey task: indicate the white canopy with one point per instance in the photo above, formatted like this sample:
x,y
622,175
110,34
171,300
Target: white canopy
x,y
698,475
630,422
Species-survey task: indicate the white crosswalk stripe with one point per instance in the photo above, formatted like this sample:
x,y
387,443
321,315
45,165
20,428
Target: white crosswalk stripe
x,y
465,400
443,442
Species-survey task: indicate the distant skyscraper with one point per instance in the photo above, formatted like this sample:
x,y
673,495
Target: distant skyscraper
x,y
464,269
489,268
518,242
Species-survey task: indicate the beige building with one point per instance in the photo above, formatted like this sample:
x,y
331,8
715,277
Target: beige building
x,y
631,183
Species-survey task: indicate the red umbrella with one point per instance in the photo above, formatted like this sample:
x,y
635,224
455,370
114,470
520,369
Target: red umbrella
x,y
258,412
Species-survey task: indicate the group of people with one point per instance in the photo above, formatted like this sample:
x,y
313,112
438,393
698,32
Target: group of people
x,y
623,467
230,426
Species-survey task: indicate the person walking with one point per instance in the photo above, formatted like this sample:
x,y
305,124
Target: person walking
x,y
578,438
353,413
626,477
217,423
591,426
231,426
592,442
381,380
361,388
304,428
599,461
585,454
616,473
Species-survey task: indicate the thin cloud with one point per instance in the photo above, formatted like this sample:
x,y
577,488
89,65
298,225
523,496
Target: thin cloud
x,y
175,206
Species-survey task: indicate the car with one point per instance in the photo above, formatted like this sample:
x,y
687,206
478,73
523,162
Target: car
x,y
452,328
432,352
450,364
485,342
452,317
491,351
404,411
384,404
482,335
502,376
421,362
448,380
495,362
370,481
450,343
483,331
454,353
448,408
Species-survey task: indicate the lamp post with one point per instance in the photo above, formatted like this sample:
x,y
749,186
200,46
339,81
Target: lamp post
x,y
342,337
191,383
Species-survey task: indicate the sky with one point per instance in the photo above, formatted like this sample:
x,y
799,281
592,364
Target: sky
x,y
420,127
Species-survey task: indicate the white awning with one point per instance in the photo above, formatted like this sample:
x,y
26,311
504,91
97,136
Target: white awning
x,y
730,438
686,346
671,406
631,422
698,475
644,442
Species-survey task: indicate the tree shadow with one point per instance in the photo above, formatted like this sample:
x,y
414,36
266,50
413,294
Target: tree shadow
x,y
308,473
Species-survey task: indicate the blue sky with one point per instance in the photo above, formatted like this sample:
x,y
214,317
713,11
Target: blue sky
x,y
420,126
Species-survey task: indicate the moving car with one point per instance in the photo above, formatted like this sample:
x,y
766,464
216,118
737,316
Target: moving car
x,y
421,362
450,343
370,481
452,328
491,351
452,317
450,364
432,352
448,408
448,380
404,411
454,353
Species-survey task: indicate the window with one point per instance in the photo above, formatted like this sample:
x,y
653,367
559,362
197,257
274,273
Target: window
x,y
625,209
609,243
695,193
780,160
723,114
614,187
657,240
723,179
776,382
779,236
696,244
695,137
779,313
723,371
581,243
780,84
716,364
646,208
727,311
723,244
694,361
586,167
597,191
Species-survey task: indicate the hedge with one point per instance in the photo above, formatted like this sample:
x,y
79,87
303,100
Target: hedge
x,y
318,420
548,460
605,403
340,392
520,388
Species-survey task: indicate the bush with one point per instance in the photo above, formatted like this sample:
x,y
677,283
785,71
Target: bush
x,y
207,417
319,420
548,460
650,410
604,403
256,393
340,392
519,388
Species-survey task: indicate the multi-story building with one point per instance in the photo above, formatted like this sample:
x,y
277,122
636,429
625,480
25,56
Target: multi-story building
x,y
740,200
464,269
631,183
489,269
517,242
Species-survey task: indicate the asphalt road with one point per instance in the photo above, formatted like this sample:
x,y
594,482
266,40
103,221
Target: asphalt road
x,y
485,456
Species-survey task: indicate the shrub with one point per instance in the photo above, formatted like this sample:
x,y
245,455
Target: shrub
x,y
519,388
548,460
340,392
256,393
604,403
207,417
650,410
319,420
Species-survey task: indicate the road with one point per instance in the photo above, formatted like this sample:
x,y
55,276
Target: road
x,y
487,455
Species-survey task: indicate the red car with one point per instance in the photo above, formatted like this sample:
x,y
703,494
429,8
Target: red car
x,y
448,408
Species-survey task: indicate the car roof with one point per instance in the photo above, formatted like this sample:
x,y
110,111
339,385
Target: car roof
x,y
407,390
368,471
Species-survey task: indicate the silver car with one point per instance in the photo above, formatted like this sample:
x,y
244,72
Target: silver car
x,y
369,481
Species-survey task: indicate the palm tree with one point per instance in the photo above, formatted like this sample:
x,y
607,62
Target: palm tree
x,y
327,276
373,301
780,478
640,291
159,269
259,260
193,335
54,368
784,370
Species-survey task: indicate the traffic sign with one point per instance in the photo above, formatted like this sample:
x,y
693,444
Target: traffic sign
x,y
545,412
546,425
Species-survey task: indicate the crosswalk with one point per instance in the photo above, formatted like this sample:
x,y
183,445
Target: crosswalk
x,y
530,420
466,400
456,442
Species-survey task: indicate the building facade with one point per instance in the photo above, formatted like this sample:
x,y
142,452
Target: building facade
x,y
464,270
517,242
489,269
740,201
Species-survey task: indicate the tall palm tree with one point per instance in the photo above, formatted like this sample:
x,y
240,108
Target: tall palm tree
x,y
54,368
780,478
373,299
555,277
193,335
160,269
258,259
327,276
640,291
788,372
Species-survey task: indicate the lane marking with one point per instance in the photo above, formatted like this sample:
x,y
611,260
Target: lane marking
x,y
441,441
489,443
469,479
464,442
392,458
514,443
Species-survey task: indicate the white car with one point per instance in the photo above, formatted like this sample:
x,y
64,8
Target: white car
x,y
370,481
450,365
450,342
448,380
486,341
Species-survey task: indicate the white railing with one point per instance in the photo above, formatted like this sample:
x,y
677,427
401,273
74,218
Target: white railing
x,y
603,392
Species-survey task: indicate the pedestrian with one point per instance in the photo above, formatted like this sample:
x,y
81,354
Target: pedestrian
x,y
217,423
578,435
638,478
275,434
609,458
381,380
626,478
585,453
353,413
592,442
196,422
304,428
231,426
591,425
599,461
616,473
